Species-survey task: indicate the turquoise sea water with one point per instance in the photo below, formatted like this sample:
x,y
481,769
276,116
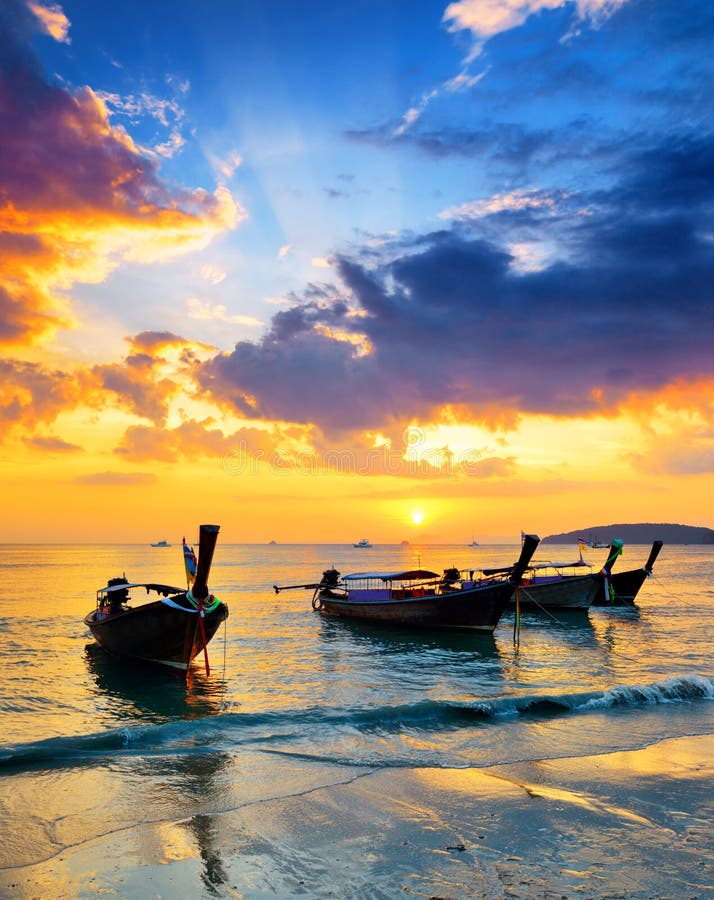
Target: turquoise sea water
x,y
292,693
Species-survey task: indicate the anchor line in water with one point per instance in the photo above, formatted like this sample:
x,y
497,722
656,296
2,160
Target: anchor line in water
x,y
547,611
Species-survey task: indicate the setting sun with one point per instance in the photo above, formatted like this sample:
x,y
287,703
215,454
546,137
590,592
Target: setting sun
x,y
417,516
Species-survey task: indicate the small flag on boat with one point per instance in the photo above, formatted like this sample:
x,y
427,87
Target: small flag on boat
x,y
581,544
523,535
190,562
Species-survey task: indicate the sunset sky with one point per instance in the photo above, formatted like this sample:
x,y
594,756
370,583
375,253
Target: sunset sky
x,y
315,272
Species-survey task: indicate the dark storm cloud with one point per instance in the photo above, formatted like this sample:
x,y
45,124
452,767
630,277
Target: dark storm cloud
x,y
303,318
308,377
676,174
450,320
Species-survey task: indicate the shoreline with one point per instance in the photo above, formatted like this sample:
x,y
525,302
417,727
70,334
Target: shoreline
x,y
632,823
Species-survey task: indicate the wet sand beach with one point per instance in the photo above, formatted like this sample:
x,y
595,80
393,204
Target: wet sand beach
x,y
623,824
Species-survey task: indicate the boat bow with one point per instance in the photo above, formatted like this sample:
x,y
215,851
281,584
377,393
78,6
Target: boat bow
x,y
170,631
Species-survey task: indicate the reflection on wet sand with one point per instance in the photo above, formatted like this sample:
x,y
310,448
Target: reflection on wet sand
x,y
205,831
198,777
135,691
179,798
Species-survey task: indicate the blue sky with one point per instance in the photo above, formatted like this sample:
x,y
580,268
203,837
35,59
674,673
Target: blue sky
x,y
311,98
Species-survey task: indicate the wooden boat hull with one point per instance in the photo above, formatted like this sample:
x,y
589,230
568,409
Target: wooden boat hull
x,y
626,586
478,608
567,592
155,633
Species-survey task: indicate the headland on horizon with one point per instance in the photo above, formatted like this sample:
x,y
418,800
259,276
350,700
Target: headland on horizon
x,y
641,533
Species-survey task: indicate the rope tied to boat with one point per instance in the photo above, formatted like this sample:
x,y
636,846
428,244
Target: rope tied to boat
x,y
203,606
616,550
542,608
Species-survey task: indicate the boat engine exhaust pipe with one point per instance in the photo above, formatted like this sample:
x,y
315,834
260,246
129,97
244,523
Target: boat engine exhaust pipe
x,y
208,535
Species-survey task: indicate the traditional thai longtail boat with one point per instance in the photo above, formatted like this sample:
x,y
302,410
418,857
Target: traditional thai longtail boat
x,y
170,631
556,586
419,597
623,587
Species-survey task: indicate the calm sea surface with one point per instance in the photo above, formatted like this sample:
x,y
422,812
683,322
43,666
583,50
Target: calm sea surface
x,y
288,686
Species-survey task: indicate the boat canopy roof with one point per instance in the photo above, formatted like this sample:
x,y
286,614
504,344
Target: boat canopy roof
x,y
579,563
409,575
543,565
164,589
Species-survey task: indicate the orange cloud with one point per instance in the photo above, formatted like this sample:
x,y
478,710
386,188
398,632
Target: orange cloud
x,y
158,368
678,430
157,343
52,18
77,197
136,386
31,394
51,444
123,479
192,440
693,395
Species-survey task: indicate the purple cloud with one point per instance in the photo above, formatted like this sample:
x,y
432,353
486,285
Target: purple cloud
x,y
450,320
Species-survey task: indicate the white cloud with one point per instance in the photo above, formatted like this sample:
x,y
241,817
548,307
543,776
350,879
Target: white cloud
x,y
531,256
167,112
284,250
228,166
212,274
321,263
513,200
174,143
463,81
414,112
199,309
486,18
278,301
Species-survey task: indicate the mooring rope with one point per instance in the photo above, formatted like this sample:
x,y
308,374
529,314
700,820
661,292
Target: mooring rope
x,y
542,608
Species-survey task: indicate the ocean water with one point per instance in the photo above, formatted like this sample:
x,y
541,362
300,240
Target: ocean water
x,y
293,695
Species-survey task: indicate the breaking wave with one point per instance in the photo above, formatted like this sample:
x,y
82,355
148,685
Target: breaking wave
x,y
277,731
